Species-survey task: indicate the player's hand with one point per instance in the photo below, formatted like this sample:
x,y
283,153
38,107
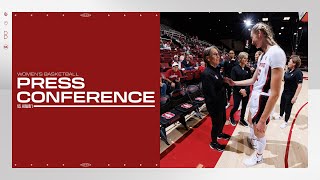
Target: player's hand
x,y
294,99
261,126
229,81
244,94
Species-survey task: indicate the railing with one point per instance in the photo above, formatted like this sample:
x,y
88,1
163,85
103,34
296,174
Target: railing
x,y
172,34
166,30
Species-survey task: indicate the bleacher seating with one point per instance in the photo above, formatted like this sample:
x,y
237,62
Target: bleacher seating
x,y
184,102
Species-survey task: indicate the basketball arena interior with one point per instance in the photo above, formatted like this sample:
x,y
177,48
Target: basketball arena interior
x,y
185,132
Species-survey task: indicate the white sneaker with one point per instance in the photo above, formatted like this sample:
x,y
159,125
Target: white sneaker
x,y
278,117
227,105
284,125
253,160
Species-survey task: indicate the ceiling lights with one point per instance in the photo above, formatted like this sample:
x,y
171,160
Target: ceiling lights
x,y
248,22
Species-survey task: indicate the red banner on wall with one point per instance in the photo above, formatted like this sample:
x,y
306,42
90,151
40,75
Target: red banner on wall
x,y
85,90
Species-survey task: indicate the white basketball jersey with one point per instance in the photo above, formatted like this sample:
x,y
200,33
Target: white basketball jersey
x,y
273,58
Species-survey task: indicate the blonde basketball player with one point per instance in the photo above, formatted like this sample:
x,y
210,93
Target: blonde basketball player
x,y
266,88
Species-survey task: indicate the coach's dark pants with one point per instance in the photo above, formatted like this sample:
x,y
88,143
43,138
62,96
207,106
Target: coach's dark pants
x,y
229,89
218,121
285,104
236,102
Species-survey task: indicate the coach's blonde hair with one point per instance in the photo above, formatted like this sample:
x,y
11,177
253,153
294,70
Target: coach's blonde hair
x,y
242,55
266,30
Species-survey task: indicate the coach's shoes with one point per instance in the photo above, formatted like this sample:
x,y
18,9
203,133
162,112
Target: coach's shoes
x,y
253,160
252,143
217,146
232,121
244,123
283,125
224,136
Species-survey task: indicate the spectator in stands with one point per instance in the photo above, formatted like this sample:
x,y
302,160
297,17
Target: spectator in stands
x,y
173,76
256,57
163,87
293,79
191,59
240,93
188,49
181,58
187,64
161,45
162,68
227,67
184,48
202,66
214,91
167,46
175,59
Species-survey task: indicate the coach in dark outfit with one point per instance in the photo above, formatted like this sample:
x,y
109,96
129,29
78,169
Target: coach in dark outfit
x,y
215,95
240,93
292,86
227,67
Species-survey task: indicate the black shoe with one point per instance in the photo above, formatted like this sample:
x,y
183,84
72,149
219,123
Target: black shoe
x,y
224,136
244,123
232,121
217,146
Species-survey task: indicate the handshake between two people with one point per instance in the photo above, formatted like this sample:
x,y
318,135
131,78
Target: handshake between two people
x,y
229,81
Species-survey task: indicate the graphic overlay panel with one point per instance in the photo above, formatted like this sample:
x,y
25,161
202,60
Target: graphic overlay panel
x,y
84,90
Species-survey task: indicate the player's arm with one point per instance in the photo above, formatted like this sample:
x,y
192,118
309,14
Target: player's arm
x,y
298,90
299,79
247,82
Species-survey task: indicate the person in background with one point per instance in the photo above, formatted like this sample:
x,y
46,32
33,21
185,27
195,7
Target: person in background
x,y
256,58
172,76
163,87
293,79
240,93
175,59
202,66
227,67
181,58
187,64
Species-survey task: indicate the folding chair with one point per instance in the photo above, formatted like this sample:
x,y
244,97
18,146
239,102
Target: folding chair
x,y
168,116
